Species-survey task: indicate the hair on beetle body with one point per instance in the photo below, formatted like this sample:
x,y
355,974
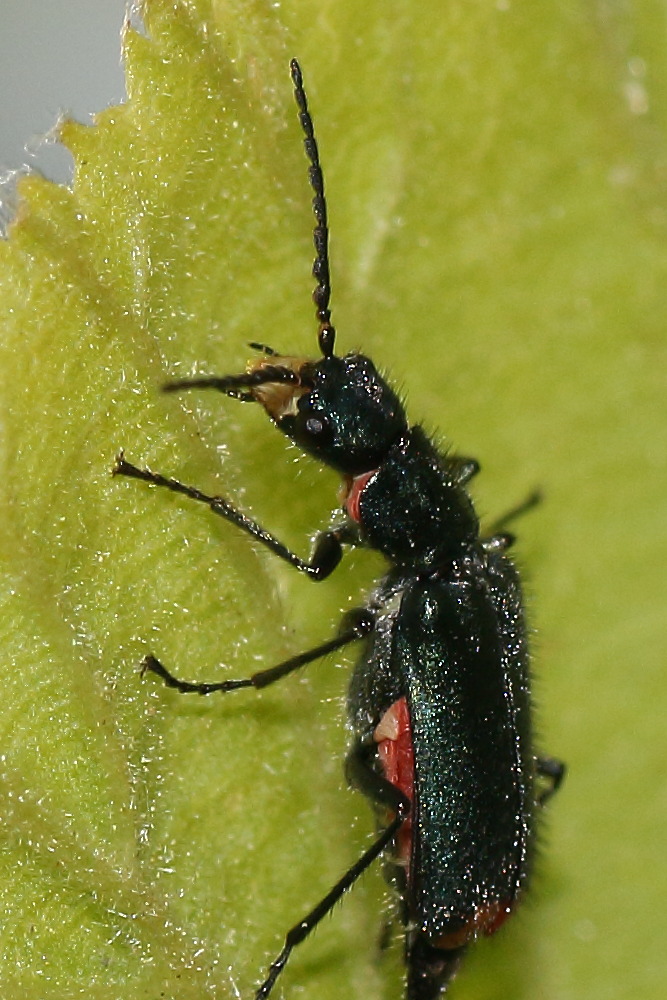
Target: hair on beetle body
x,y
439,700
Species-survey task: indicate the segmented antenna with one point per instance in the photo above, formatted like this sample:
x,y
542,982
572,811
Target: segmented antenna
x,y
327,333
238,386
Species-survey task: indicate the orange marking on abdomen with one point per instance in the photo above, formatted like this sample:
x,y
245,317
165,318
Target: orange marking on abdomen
x,y
486,920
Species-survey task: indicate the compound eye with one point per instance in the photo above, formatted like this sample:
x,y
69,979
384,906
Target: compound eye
x,y
315,427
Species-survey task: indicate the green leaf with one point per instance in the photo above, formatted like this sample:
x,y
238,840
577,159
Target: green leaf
x,y
496,190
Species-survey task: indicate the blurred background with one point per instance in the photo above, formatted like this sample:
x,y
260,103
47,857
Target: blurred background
x,y
54,57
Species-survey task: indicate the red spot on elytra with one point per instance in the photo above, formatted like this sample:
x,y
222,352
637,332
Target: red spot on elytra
x,y
393,735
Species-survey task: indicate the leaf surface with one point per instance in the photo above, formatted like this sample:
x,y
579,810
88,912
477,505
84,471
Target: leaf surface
x,y
496,191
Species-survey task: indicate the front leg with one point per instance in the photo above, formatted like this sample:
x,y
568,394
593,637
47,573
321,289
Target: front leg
x,y
328,549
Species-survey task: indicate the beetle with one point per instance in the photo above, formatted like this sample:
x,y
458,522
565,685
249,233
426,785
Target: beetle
x,y
439,701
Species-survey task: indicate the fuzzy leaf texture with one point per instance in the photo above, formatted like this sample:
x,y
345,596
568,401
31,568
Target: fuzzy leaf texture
x,y
497,191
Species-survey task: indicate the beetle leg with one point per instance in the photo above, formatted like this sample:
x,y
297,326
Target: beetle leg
x,y
554,771
357,624
328,549
429,968
532,500
386,933
498,543
383,791
362,775
464,468
499,539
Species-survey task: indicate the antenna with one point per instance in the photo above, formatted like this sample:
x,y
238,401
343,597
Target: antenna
x,y
322,293
237,386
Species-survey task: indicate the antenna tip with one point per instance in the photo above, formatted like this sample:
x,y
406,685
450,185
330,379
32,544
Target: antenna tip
x,y
295,70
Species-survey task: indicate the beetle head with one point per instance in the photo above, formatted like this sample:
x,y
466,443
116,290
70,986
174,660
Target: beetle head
x,y
339,410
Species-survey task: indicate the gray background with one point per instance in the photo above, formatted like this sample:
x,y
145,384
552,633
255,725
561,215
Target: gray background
x,y
55,55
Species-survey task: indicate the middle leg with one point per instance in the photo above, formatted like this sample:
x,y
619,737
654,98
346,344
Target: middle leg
x,y
356,625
